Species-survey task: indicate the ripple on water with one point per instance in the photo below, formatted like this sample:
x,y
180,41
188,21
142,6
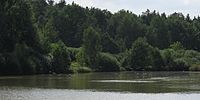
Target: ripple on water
x,y
121,81
158,78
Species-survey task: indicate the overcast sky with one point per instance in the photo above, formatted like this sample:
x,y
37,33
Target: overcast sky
x,y
138,6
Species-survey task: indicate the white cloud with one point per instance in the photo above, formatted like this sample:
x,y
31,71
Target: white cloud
x,y
188,2
138,6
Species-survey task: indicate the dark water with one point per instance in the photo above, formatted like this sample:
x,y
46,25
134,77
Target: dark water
x,y
103,86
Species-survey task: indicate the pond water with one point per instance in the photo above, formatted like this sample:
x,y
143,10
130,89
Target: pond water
x,y
103,86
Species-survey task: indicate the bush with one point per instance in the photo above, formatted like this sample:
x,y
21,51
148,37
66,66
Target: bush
x,y
60,58
125,63
139,55
73,52
174,60
77,68
108,63
157,62
180,65
82,58
192,57
143,57
109,45
177,46
23,60
91,47
10,65
195,68
83,70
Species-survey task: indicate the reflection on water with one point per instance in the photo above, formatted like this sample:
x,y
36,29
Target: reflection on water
x,y
135,82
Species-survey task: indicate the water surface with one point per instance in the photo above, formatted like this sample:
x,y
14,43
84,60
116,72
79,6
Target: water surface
x,y
103,86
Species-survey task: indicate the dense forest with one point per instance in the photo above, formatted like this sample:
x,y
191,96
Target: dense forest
x,y
45,37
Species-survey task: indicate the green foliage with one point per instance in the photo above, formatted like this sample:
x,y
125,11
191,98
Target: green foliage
x,y
157,62
74,53
23,60
143,56
179,59
39,36
82,58
167,56
176,46
60,58
125,59
139,58
173,61
77,68
157,33
91,47
109,45
19,46
192,57
180,64
195,68
108,63
126,25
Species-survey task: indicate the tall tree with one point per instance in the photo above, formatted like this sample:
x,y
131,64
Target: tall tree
x,y
91,47
17,33
144,57
126,25
158,34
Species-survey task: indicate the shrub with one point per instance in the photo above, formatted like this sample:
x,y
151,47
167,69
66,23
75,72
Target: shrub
x,y
143,57
84,70
195,68
91,47
180,65
125,63
73,52
174,60
109,45
77,68
108,63
139,55
177,46
192,57
60,58
157,62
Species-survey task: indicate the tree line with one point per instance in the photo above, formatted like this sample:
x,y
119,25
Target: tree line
x,y
44,37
